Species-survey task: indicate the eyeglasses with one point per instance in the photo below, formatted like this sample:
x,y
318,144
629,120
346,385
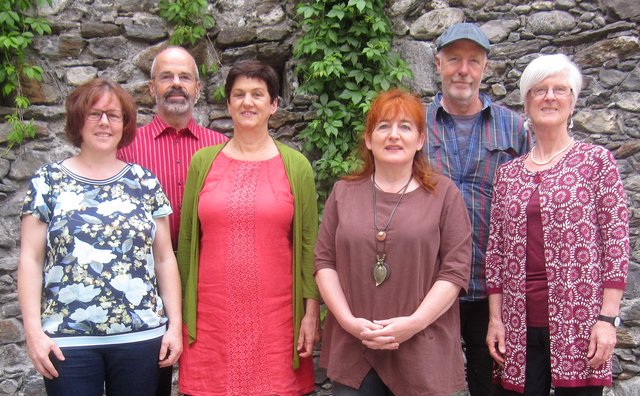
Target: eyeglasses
x,y
112,115
168,78
541,92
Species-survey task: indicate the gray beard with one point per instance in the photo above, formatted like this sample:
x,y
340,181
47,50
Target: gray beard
x,y
175,108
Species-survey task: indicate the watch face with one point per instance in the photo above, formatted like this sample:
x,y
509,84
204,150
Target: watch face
x,y
616,321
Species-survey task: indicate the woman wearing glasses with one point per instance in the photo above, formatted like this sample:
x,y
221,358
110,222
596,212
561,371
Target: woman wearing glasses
x,y
97,280
558,250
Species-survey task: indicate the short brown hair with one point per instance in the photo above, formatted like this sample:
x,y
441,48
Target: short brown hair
x,y
251,68
86,95
391,104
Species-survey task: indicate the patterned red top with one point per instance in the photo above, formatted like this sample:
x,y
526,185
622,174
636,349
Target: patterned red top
x,y
167,154
585,224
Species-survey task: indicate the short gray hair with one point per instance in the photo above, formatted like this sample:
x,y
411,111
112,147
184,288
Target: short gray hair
x,y
546,66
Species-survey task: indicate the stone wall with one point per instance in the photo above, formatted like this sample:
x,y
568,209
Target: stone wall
x,y
118,38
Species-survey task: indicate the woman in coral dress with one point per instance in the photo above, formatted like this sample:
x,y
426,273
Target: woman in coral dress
x,y
245,254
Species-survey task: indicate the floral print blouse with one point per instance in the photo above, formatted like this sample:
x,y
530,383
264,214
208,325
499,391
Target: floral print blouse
x,y
99,276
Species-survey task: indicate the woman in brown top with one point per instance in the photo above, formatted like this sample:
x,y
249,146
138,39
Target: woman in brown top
x,y
392,256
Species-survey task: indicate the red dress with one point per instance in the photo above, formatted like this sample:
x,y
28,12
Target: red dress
x,y
245,304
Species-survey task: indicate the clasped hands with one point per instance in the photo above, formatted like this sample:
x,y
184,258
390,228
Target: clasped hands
x,y
385,334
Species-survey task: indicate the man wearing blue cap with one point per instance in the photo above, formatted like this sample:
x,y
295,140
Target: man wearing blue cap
x,y
468,137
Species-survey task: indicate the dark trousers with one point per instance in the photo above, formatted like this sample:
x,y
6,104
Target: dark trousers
x,y
121,369
165,381
371,385
538,371
474,321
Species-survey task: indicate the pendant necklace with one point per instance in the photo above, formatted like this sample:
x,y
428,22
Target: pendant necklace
x,y
380,269
562,150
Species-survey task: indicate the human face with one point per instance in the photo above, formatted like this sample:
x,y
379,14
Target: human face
x,y
461,65
394,141
550,109
174,84
250,105
103,134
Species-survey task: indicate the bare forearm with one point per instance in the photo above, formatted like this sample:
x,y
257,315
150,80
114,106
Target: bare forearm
x,y
437,301
611,302
333,296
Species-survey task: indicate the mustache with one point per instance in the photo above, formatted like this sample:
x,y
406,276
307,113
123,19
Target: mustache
x,y
174,91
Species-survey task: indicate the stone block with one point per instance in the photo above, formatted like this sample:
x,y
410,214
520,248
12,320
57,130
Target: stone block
x,y
10,331
433,23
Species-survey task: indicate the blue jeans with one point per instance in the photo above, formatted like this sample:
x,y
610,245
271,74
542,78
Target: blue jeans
x,y
121,369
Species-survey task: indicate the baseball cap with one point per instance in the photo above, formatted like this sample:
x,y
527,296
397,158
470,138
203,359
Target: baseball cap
x,y
463,31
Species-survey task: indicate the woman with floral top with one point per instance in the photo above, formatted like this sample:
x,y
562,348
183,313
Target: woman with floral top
x,y
558,250
97,280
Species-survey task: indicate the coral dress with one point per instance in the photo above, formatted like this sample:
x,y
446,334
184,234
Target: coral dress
x,y
245,305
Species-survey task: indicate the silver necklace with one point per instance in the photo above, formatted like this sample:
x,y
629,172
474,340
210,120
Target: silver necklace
x,y
542,163
380,268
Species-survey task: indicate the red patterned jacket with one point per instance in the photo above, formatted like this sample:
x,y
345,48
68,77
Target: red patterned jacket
x,y
585,224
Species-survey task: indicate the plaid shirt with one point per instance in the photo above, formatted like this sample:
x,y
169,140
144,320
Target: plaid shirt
x,y
167,153
497,137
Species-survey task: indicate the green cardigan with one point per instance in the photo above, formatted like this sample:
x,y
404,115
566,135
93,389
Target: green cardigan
x,y
305,228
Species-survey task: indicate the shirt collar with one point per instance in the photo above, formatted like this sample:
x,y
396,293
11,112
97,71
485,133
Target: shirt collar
x,y
486,103
160,127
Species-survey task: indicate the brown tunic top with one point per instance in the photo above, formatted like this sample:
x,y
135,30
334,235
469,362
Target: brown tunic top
x,y
429,239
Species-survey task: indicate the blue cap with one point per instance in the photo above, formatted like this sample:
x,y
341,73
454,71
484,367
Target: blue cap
x,y
463,31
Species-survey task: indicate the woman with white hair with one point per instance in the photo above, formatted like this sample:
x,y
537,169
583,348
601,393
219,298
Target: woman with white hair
x,y
558,250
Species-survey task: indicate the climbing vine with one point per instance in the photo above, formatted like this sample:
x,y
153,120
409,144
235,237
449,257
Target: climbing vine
x,y
18,26
191,20
345,59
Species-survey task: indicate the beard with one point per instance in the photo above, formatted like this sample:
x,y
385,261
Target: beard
x,y
174,104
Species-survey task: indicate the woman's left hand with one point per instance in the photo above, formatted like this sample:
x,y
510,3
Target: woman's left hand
x,y
309,329
601,343
394,332
171,347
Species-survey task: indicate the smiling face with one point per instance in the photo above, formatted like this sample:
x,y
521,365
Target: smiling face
x,y
550,103
461,65
250,105
394,141
104,133
174,83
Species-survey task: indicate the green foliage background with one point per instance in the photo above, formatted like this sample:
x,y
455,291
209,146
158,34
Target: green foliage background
x,y
18,26
345,59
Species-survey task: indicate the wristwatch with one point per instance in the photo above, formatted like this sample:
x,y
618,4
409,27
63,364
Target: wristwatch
x,y
614,320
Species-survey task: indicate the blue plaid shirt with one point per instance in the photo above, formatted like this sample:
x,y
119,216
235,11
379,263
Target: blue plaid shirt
x,y
496,137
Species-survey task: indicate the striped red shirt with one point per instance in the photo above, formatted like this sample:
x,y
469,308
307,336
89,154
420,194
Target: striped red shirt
x,y
167,153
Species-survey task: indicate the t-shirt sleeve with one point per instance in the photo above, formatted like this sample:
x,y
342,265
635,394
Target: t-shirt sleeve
x,y
38,201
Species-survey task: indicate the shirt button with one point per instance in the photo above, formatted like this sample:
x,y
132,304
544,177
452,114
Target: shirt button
x,y
177,161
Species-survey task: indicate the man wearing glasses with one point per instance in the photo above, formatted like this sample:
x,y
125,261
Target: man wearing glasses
x,y
468,137
165,146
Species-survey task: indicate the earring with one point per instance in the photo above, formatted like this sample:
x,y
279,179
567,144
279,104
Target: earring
x,y
527,123
571,123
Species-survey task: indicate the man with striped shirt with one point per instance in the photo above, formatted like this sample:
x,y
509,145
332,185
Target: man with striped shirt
x,y
165,146
468,137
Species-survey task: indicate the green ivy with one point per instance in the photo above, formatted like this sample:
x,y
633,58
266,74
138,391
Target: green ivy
x,y
345,59
191,20
18,26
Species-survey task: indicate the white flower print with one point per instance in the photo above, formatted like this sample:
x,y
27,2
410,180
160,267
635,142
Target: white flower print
x,y
108,208
68,201
54,275
79,292
148,316
41,186
87,253
118,328
93,314
50,323
133,288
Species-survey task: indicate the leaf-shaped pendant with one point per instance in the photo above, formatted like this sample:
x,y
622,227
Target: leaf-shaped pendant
x,y
380,271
